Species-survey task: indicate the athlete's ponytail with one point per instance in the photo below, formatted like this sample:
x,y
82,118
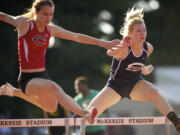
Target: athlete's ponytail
x,y
36,6
133,16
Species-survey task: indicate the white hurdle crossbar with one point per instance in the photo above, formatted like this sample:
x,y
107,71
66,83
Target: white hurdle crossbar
x,y
67,122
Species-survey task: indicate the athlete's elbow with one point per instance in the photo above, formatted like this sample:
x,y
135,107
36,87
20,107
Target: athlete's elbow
x,y
145,73
80,38
2,16
75,37
109,53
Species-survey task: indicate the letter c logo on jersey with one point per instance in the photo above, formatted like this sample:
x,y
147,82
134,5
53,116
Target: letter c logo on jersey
x,y
39,40
135,67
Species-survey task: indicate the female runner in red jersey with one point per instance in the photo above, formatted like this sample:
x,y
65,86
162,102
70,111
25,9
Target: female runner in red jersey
x,y
34,32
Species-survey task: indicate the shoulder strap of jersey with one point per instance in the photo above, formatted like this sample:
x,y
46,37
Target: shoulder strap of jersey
x,y
31,25
145,46
47,28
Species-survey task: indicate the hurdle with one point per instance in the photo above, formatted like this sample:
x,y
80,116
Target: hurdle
x,y
67,122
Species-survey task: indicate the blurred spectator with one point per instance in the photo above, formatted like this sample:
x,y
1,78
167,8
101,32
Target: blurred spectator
x,y
83,97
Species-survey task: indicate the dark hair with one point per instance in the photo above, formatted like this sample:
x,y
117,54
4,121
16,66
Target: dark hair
x,y
82,80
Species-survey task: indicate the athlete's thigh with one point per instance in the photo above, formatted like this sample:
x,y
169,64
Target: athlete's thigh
x,y
142,90
38,86
106,98
42,90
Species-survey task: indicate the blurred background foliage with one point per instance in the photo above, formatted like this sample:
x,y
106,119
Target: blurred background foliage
x,y
66,59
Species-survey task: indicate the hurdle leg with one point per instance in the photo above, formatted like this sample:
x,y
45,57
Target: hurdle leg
x,y
83,126
167,126
67,126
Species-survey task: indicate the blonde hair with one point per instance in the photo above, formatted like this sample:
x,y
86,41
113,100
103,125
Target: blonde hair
x,y
133,16
36,6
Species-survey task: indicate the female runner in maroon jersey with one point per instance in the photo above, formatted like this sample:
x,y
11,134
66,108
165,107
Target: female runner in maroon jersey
x,y
34,32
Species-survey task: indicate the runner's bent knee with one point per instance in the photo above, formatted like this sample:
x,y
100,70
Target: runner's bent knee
x,y
48,102
154,95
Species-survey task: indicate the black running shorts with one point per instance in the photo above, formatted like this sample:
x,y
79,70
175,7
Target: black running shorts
x,y
24,78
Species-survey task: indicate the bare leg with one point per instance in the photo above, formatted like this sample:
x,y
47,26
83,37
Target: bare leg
x,y
44,88
106,98
145,91
45,94
9,90
40,95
